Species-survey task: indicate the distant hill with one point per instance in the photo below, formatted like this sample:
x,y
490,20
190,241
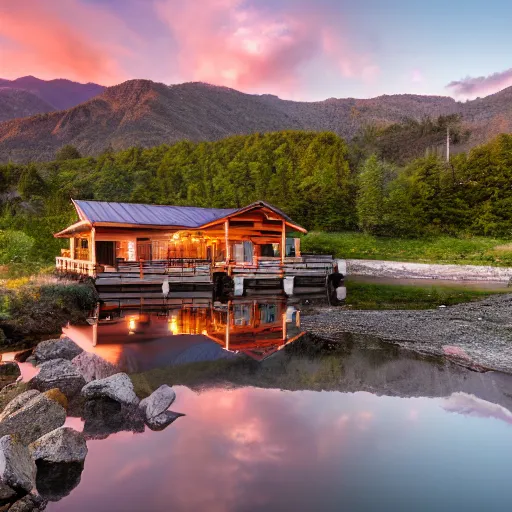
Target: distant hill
x,y
145,113
18,103
60,94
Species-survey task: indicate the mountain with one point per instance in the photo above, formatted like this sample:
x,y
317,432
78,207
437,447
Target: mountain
x,y
60,94
145,113
19,103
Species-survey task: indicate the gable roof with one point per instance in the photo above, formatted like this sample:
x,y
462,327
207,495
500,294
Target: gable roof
x,y
97,213
148,214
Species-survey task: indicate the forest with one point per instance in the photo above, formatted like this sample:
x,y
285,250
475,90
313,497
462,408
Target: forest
x,y
320,180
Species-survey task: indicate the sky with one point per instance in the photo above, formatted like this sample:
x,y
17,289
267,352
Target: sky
x,y
297,49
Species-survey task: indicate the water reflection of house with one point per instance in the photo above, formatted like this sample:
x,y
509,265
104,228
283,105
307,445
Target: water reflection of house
x,y
144,245
146,339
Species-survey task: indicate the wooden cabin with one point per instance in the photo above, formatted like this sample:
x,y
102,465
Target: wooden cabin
x,y
119,242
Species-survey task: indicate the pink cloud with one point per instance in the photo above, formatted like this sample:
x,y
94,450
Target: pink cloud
x,y
471,87
61,38
228,42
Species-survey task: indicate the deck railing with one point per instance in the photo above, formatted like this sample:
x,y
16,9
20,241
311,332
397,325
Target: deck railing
x,y
71,266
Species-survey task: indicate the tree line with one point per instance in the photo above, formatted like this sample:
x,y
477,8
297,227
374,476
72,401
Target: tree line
x,y
317,178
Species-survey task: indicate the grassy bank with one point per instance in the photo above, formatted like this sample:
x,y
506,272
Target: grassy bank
x,y
36,306
442,249
390,296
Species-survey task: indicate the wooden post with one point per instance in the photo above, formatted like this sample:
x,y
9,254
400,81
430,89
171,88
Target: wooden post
x,y
283,242
72,247
226,239
141,268
92,250
297,247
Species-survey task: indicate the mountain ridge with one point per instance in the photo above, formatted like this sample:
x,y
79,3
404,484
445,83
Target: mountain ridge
x,y
146,113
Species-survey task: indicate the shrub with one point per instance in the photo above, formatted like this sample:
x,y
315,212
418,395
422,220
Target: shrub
x,y
15,247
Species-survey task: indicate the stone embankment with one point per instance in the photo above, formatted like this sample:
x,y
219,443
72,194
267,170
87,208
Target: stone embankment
x,y
42,460
406,270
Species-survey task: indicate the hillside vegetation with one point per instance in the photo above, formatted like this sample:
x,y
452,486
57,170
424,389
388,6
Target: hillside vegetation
x,y
145,113
312,176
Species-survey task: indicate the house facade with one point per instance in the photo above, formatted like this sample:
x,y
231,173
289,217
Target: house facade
x,y
109,236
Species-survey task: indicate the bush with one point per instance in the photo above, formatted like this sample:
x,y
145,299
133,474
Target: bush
x,y
15,247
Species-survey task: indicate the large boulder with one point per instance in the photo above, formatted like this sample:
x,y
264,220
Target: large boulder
x,y
62,445
61,374
29,503
163,420
93,367
63,348
32,415
104,416
117,387
54,481
158,402
17,469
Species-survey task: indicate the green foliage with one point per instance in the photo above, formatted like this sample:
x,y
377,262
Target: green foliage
x,y
433,249
67,152
15,247
316,178
370,196
362,295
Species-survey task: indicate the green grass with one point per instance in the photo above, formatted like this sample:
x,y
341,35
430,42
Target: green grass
x,y
442,249
390,296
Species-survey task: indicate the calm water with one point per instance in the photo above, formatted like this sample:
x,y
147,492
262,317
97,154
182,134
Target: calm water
x,y
304,426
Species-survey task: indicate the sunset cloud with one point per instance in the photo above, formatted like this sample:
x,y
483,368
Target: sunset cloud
x,y
471,87
61,38
247,46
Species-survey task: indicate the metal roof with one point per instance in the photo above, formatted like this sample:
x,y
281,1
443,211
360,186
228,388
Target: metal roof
x,y
97,212
146,214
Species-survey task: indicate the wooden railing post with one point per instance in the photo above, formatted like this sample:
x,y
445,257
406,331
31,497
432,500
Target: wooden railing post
x,y
141,268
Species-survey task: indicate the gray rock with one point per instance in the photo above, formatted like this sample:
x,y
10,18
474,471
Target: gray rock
x,y
6,492
118,387
17,469
163,420
18,402
29,503
10,369
158,402
93,367
61,374
60,445
63,348
54,481
31,418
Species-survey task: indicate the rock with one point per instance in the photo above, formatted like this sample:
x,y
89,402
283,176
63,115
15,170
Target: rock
x,y
56,395
62,445
93,367
18,402
31,417
55,481
63,348
29,503
10,369
17,469
118,387
163,420
104,416
158,402
61,374
6,492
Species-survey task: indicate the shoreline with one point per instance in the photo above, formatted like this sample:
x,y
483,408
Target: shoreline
x,y
476,333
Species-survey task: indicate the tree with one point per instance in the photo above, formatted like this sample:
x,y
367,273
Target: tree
x,y
370,196
30,184
67,152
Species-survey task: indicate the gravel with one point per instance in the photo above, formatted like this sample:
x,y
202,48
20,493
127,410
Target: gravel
x,y
478,331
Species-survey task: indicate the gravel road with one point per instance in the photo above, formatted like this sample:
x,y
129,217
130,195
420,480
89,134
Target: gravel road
x,y
479,333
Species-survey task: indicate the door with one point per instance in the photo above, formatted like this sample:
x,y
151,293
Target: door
x,y
144,249
106,253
